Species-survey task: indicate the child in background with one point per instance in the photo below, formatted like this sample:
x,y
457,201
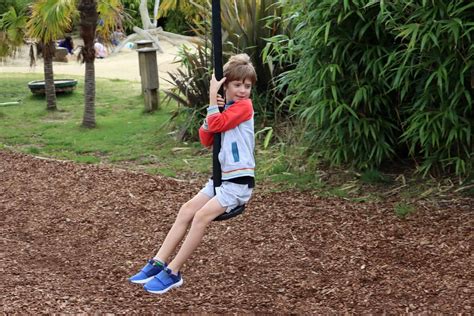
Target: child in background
x,y
236,126
100,50
68,44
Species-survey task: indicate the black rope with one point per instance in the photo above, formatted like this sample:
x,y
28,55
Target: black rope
x,y
219,73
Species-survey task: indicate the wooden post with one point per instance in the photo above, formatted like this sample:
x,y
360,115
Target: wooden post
x,y
143,44
150,83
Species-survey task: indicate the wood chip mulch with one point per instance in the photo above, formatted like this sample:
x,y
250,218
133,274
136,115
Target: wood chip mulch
x,y
72,234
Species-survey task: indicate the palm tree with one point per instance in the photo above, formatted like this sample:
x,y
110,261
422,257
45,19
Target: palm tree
x,y
48,22
110,15
88,25
12,32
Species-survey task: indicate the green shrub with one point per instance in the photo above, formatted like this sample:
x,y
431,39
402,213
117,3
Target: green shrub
x,y
341,52
12,31
432,75
191,90
378,80
403,209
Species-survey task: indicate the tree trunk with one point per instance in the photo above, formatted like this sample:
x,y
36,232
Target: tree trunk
x,y
88,24
89,96
155,12
49,89
146,22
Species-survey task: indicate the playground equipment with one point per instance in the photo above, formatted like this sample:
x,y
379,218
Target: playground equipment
x,y
60,85
218,71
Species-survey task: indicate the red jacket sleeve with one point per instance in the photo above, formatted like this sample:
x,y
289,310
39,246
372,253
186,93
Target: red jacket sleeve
x,y
206,137
239,112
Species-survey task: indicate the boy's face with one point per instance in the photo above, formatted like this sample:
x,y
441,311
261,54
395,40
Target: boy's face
x,y
238,90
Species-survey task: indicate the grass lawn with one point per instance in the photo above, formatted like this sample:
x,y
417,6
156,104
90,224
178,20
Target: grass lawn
x,y
125,135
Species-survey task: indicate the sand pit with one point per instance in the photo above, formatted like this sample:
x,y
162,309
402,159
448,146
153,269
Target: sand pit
x,y
122,65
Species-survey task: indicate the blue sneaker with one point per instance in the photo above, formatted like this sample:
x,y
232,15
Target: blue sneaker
x,y
147,273
163,282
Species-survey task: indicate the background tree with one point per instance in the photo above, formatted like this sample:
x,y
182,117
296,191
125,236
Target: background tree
x,y
88,24
12,31
48,22
146,21
110,16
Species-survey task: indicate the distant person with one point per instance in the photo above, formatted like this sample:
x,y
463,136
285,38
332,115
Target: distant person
x,y
100,50
68,44
117,37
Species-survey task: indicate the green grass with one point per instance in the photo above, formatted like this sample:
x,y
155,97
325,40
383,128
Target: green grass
x,y
125,135
403,209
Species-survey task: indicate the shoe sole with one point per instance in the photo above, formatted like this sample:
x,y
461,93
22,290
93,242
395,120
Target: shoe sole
x,y
167,289
142,281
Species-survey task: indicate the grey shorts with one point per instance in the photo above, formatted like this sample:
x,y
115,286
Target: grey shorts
x,y
229,194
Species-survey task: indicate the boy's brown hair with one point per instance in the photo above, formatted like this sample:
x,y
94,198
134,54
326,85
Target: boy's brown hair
x,y
238,68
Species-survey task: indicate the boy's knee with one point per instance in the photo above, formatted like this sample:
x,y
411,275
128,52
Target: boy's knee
x,y
202,217
186,212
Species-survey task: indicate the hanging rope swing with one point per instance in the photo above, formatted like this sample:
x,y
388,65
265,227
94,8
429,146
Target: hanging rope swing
x,y
219,73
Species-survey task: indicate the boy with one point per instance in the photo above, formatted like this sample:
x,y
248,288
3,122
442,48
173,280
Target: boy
x,y
236,156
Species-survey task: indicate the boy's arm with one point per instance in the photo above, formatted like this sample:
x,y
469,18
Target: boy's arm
x,y
206,137
239,112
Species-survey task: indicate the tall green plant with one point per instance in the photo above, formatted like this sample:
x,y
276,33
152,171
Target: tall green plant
x,y
342,52
431,70
57,17
19,5
247,24
191,89
12,31
373,79
110,15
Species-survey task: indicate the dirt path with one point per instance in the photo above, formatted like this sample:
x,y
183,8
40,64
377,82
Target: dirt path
x,y
71,234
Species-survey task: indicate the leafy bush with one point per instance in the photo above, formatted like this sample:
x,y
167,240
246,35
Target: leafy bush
x,y
191,89
174,23
432,74
19,5
12,31
381,80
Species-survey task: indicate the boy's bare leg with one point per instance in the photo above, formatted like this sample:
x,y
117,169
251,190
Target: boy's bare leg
x,y
178,230
203,217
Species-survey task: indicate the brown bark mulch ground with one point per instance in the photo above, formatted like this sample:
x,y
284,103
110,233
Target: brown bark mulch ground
x,y
72,234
